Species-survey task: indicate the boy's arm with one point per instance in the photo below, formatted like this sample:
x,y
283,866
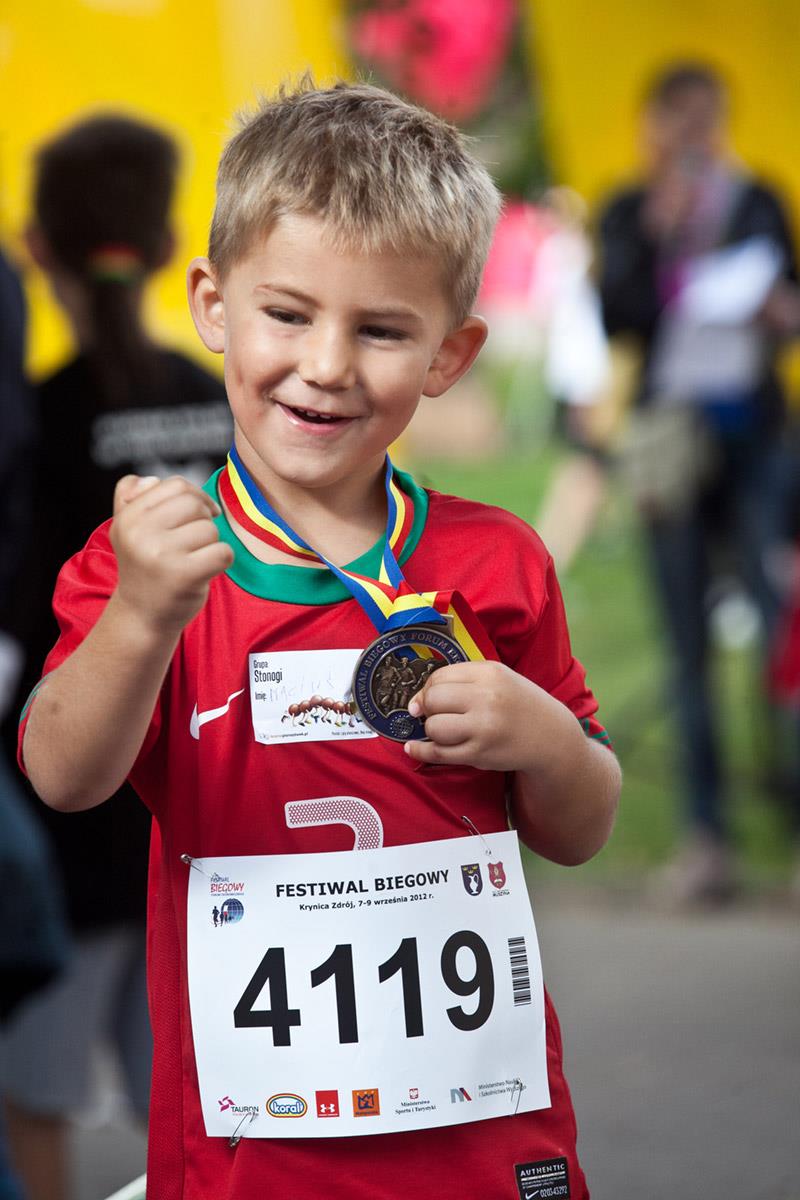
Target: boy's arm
x,y
90,716
565,806
566,786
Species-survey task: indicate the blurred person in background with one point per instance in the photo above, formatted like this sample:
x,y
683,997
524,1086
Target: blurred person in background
x,y
697,263
122,405
578,373
33,941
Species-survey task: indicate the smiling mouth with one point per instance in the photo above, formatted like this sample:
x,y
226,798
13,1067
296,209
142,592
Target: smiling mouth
x,y
312,417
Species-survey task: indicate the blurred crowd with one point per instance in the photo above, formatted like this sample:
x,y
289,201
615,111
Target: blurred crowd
x,y
690,273
694,265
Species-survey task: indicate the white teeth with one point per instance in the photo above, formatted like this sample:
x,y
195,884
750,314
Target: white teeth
x,y
305,412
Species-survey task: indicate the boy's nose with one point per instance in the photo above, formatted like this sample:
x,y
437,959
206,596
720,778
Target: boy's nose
x,y
327,360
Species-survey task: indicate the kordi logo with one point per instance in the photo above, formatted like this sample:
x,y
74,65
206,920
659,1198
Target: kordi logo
x,y
286,1104
472,878
366,1102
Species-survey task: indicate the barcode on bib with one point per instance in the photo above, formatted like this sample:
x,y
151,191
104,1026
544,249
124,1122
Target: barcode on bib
x,y
520,974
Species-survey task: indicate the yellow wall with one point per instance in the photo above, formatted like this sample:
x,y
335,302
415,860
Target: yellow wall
x,y
191,63
592,60
187,64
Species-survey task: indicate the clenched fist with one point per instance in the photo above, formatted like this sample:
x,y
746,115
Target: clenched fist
x,y
167,547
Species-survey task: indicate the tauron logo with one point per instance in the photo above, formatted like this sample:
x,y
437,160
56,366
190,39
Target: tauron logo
x,y
226,1104
286,1104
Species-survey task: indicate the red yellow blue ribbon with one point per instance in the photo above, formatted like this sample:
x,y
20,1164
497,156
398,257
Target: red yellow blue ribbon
x,y
388,600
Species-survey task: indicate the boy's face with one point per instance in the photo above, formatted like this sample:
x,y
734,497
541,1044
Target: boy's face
x,y
327,352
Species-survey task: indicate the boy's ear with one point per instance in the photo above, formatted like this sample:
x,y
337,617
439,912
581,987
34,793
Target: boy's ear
x,y
206,304
455,356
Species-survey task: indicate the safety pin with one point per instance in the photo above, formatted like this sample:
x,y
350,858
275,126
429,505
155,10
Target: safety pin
x,y
518,1089
477,833
192,862
236,1137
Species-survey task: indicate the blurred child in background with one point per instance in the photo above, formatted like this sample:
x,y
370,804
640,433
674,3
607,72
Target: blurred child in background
x,y
100,230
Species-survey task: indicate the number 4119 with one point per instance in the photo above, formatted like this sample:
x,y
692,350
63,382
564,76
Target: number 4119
x,y
339,966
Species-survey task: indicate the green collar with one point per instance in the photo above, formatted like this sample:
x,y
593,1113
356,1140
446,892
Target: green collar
x,y
304,585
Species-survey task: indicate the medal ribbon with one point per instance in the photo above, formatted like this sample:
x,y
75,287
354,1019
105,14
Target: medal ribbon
x,y
389,601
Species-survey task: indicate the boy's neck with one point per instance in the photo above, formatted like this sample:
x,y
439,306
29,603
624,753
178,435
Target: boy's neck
x,y
341,523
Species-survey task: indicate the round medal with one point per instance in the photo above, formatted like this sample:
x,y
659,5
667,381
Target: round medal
x,y
393,669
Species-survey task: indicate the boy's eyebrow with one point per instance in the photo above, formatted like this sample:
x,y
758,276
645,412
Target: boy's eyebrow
x,y
284,291
385,314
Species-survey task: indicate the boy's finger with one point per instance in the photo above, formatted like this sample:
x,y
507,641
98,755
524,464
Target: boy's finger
x,y
129,487
176,486
193,535
446,729
446,698
156,494
459,673
174,511
432,752
212,560
443,677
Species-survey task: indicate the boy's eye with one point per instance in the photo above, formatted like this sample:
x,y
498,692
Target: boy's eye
x,y
285,318
382,334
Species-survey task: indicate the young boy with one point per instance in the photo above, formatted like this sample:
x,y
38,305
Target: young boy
x,y
345,254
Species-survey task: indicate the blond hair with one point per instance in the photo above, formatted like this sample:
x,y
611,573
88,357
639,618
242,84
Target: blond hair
x,y
383,174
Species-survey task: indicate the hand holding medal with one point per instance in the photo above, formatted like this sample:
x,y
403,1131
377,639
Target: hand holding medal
x,y
418,634
485,715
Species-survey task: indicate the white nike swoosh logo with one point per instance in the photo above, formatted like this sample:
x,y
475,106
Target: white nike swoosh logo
x,y
197,719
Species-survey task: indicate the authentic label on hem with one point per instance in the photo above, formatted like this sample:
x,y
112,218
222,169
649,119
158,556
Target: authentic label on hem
x,y
541,1180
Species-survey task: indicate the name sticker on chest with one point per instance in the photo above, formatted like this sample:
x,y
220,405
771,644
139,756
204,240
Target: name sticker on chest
x,y
364,992
304,696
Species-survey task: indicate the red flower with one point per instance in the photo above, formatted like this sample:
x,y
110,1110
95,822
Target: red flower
x,y
443,53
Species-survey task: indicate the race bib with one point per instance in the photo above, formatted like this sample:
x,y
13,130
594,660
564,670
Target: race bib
x,y
352,993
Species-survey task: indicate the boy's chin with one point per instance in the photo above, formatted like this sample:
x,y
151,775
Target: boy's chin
x,y
322,476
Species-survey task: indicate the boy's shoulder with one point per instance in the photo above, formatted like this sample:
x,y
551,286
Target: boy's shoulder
x,y
94,565
486,525
495,560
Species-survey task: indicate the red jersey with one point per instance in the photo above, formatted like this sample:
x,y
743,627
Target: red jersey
x,y
214,790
